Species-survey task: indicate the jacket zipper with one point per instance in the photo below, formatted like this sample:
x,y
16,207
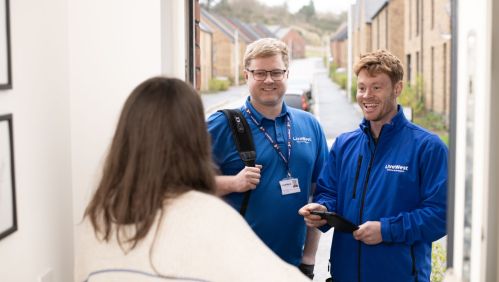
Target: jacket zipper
x,y
362,202
361,213
359,164
414,271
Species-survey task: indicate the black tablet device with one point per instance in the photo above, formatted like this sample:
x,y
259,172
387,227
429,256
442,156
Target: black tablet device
x,y
339,223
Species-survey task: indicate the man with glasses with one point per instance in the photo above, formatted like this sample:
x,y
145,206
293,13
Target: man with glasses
x,y
290,148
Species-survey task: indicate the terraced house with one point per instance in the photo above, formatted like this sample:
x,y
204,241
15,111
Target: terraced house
x,y
416,31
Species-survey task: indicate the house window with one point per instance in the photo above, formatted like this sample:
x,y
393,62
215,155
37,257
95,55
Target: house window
x,y
409,68
417,17
432,75
418,72
386,28
378,31
417,63
444,69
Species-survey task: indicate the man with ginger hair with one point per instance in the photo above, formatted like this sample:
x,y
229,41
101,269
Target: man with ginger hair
x,y
389,177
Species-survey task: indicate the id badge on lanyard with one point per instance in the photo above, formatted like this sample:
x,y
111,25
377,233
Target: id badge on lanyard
x,y
289,185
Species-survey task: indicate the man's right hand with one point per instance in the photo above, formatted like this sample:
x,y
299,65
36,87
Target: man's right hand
x,y
248,178
313,220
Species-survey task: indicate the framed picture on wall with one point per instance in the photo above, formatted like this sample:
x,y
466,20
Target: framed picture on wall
x,y
5,69
8,215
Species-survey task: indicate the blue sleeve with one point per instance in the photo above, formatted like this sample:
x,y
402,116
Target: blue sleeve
x,y
428,222
219,130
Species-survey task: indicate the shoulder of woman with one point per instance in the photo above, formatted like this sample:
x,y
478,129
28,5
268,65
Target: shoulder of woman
x,y
198,204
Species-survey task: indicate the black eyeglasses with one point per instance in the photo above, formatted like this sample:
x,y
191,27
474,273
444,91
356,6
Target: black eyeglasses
x,y
261,75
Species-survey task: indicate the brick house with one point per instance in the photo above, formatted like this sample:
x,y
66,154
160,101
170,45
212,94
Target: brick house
x,y
427,41
361,29
339,46
387,26
223,45
245,37
292,37
416,31
262,30
205,56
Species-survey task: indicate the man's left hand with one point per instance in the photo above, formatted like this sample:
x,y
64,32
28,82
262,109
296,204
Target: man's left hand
x,y
369,233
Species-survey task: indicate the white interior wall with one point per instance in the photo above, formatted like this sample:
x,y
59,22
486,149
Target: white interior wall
x,y
39,102
74,63
174,43
115,45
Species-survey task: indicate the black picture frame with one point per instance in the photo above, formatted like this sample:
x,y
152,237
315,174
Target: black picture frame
x,y
8,211
5,58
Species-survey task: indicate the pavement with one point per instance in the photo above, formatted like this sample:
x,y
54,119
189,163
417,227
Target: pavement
x,y
337,115
333,110
231,98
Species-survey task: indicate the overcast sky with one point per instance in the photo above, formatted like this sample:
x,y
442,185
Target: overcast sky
x,y
334,6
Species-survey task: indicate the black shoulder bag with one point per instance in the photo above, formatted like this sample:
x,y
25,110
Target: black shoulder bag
x,y
243,138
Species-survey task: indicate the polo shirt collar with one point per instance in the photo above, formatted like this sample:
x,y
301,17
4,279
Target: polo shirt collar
x,y
259,117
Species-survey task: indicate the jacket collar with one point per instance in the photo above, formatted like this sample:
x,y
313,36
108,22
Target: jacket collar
x,y
396,123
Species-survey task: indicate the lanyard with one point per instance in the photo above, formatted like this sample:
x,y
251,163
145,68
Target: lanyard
x,y
272,142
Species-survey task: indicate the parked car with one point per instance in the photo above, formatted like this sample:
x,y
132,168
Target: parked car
x,y
302,83
298,98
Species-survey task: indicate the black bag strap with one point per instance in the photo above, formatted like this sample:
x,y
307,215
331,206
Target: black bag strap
x,y
243,138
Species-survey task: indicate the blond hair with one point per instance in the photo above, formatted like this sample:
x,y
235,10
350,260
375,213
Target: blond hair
x,y
266,47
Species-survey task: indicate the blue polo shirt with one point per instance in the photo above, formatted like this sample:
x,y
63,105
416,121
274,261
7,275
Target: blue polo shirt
x,y
273,216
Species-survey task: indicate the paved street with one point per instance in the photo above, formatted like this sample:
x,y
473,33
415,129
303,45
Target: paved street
x,y
331,108
231,98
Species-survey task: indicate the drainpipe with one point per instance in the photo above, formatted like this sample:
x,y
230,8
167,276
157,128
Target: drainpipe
x,y
236,57
421,29
452,136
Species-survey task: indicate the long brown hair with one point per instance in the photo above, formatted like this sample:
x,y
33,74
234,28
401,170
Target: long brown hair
x,y
160,150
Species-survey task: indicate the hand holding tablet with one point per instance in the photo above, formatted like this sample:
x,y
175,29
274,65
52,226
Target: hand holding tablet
x,y
339,223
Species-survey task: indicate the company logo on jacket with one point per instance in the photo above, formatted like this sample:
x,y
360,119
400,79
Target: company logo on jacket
x,y
396,168
302,139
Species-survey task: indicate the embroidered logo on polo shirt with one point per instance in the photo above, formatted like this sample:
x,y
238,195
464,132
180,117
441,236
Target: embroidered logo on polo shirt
x,y
396,168
305,140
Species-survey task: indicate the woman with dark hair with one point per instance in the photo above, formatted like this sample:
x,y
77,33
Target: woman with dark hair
x,y
152,217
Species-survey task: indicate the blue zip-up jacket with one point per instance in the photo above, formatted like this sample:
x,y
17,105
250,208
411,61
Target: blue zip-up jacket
x,y
400,181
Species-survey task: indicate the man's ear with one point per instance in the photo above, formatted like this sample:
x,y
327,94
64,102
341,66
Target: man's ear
x,y
246,75
397,89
